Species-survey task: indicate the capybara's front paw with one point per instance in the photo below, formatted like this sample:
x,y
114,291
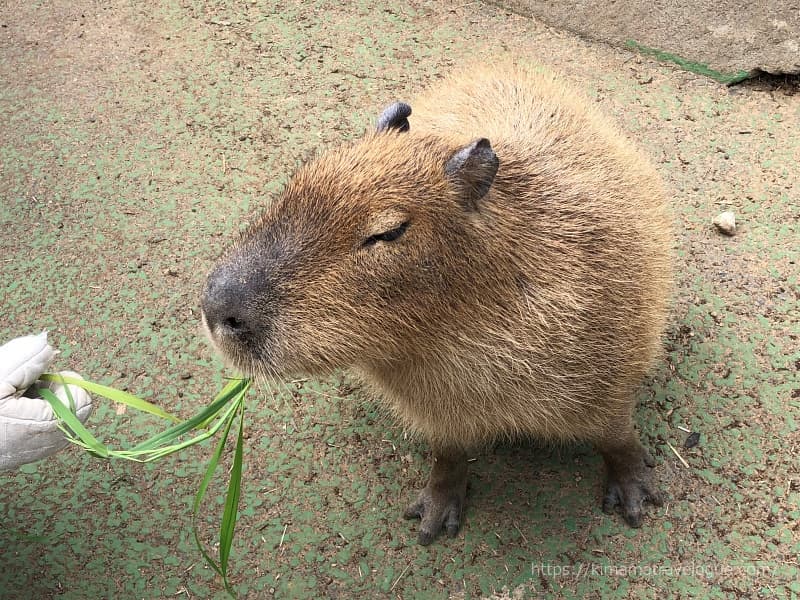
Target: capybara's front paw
x,y
629,487
437,509
441,503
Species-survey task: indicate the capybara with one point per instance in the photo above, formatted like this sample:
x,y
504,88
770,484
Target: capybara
x,y
496,265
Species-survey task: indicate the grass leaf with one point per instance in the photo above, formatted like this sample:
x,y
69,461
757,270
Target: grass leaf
x,y
231,505
220,414
75,426
234,388
111,394
201,493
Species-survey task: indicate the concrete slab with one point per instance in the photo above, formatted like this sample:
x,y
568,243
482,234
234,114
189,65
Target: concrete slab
x,y
728,40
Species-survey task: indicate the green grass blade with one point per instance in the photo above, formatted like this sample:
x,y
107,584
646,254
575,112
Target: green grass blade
x,y
111,394
201,492
72,422
160,452
72,407
236,387
159,445
230,513
220,414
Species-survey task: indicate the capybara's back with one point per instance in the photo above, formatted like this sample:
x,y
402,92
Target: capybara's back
x,y
496,264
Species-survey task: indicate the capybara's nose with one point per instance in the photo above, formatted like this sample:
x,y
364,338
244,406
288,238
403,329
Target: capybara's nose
x,y
223,303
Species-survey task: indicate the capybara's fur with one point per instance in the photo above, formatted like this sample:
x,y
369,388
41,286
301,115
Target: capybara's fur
x,y
480,301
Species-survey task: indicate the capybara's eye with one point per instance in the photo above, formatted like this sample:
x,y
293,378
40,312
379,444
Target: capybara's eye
x,y
386,236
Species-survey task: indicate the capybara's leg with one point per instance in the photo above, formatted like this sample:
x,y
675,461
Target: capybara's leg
x,y
441,503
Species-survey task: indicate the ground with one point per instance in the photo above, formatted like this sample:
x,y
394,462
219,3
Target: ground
x,y
135,141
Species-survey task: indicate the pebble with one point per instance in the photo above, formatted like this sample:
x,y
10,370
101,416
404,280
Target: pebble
x,y
692,440
725,222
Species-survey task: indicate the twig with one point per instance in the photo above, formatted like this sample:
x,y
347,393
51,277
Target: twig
x,y
283,535
675,452
520,532
396,581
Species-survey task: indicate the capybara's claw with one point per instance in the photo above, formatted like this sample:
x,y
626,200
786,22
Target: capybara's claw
x,y
629,484
436,512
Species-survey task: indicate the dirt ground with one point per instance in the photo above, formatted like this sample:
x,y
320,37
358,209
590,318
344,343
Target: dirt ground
x,y
136,138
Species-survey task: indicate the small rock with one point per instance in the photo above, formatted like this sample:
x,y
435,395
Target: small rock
x,y
692,440
725,222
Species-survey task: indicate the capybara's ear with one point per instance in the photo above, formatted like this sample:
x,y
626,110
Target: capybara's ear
x,y
394,116
472,169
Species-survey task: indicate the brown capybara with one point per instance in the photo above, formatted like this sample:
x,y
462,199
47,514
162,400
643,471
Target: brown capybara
x,y
498,265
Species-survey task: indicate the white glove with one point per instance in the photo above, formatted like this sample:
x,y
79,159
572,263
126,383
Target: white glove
x,y
28,428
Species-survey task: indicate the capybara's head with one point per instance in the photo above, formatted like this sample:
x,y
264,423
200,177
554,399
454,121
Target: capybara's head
x,y
367,253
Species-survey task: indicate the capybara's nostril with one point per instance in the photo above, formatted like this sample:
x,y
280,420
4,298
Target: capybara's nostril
x,y
222,304
234,324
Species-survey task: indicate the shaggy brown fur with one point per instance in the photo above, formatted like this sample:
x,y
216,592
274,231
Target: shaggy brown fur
x,y
533,309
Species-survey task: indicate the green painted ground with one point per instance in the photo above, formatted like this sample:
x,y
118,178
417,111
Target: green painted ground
x,y
135,140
